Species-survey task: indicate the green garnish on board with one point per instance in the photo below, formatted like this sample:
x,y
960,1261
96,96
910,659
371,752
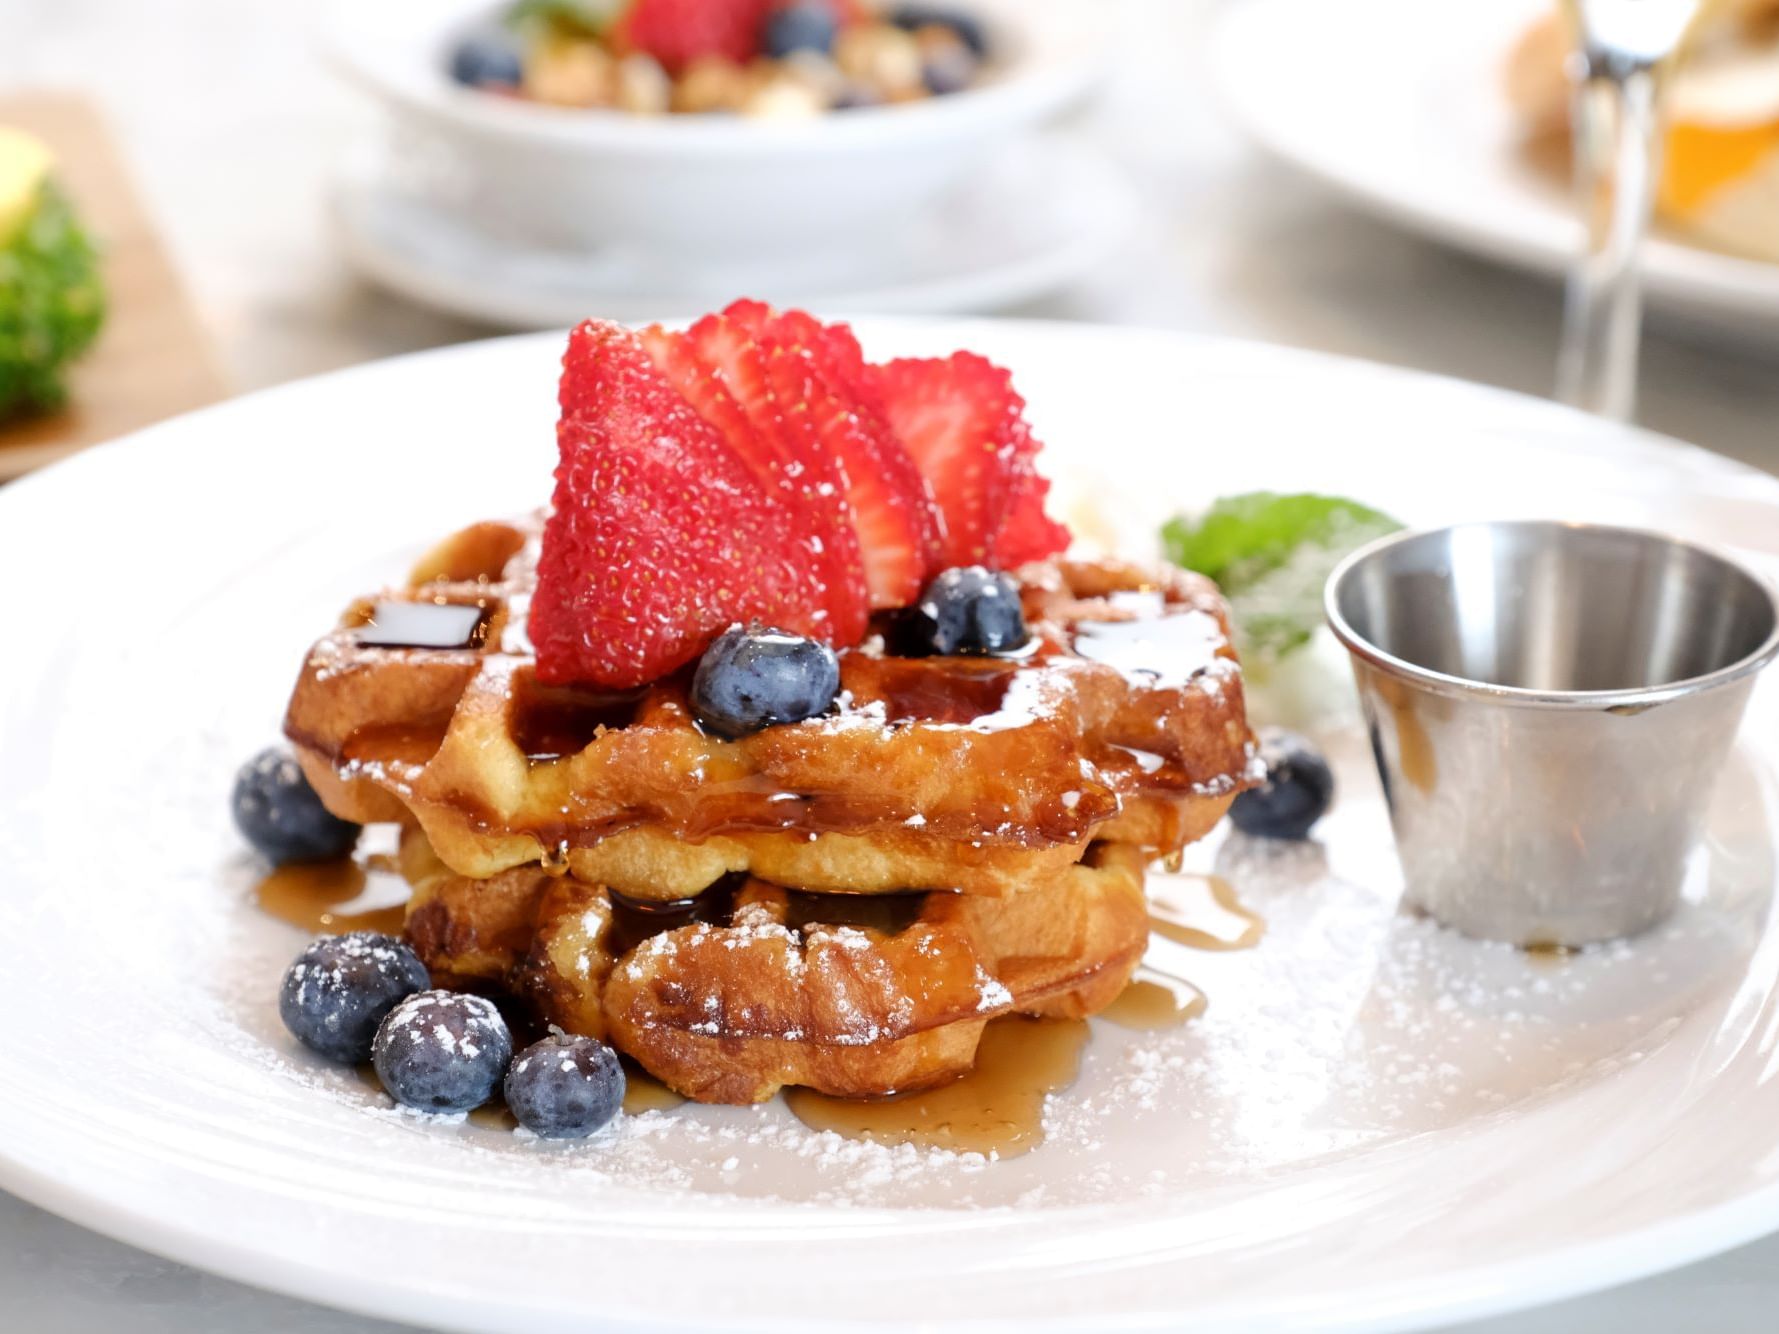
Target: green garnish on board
x,y
1271,555
51,301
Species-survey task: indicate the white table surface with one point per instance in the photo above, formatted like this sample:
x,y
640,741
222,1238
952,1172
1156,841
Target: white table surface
x,y
231,124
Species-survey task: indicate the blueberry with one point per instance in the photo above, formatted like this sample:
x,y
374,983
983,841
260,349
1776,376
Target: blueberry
x,y
808,25
967,609
855,96
565,1087
914,17
1298,790
341,987
487,59
753,678
278,812
442,1051
948,70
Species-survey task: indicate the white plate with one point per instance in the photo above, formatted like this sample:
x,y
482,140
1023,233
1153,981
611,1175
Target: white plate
x,y
1399,105
1045,213
1376,1125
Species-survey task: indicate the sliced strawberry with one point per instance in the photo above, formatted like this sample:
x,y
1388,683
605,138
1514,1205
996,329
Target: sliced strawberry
x,y
1029,533
677,32
887,532
822,367
807,471
965,425
833,345
956,417
764,452
660,536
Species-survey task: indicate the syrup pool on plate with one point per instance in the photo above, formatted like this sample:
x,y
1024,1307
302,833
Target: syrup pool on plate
x,y
997,1109
1203,912
331,897
1153,1000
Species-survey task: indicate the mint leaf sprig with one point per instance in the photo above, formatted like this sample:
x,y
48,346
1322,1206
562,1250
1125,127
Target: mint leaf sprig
x,y
1271,554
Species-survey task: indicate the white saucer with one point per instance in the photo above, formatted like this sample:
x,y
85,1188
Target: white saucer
x,y
1398,104
1377,1125
1047,212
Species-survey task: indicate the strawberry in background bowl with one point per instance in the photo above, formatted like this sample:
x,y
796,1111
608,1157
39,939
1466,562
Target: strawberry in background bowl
x,y
789,189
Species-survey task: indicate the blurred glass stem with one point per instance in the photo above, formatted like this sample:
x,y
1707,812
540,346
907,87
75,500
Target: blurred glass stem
x,y
1619,68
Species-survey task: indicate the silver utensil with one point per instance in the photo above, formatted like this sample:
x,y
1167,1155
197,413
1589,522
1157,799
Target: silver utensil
x,y
1549,705
1619,70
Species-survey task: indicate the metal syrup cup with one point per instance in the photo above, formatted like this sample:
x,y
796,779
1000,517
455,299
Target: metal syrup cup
x,y
1549,705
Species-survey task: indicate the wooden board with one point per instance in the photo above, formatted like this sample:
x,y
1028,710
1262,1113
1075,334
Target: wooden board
x,y
151,359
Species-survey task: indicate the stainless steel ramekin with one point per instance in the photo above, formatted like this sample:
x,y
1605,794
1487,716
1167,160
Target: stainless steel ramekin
x,y
1549,705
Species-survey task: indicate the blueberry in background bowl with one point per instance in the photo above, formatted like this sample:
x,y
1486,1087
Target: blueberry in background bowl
x,y
487,56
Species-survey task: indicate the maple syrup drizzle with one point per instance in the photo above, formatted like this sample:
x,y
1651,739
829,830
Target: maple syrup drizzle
x,y
644,1093
1548,953
1153,1000
1218,921
995,1109
1154,643
494,1115
306,894
554,860
550,722
434,625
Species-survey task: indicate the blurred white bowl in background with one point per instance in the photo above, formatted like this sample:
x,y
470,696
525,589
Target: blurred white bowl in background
x,y
718,188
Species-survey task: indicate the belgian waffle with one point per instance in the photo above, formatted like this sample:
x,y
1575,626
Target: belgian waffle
x,y
1122,722
749,987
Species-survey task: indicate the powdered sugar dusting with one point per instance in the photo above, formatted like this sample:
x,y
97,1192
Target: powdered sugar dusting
x,y
1350,1027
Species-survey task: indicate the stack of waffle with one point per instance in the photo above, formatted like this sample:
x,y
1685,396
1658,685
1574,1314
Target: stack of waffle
x,y
841,903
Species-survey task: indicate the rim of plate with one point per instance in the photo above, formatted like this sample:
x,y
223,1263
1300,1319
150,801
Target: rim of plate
x,y
1470,1292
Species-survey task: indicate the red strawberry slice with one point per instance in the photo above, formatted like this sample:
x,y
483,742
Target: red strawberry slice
x,y
822,367
677,32
753,432
660,536
1029,533
956,416
888,532
964,424
833,345
805,469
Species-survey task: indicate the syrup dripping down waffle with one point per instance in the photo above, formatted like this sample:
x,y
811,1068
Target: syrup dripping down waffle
x,y
1122,722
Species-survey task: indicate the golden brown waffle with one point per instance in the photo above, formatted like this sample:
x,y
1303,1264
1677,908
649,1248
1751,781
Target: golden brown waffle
x,y
749,987
1123,722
